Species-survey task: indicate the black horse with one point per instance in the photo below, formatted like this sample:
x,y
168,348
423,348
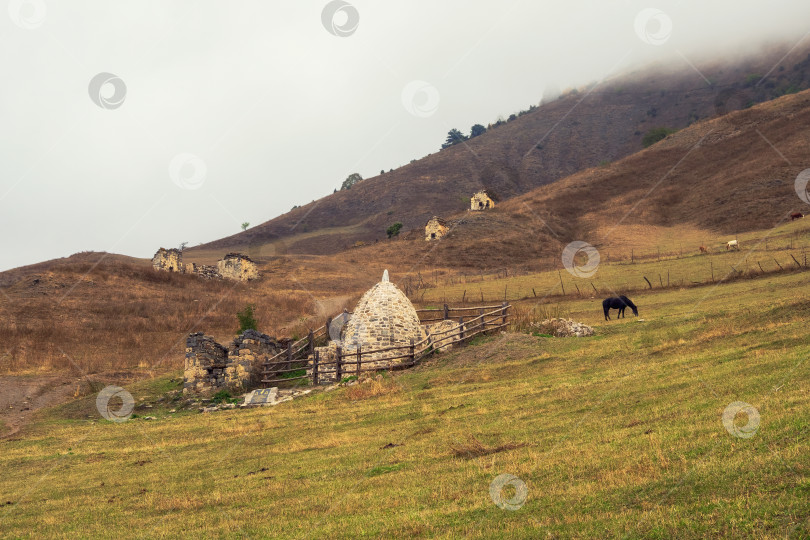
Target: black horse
x,y
619,303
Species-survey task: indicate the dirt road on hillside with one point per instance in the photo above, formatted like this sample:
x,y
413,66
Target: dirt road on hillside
x,y
22,395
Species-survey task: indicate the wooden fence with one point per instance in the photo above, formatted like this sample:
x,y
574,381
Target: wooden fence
x,y
293,364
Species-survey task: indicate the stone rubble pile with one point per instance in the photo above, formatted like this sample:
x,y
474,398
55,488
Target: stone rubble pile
x,y
563,328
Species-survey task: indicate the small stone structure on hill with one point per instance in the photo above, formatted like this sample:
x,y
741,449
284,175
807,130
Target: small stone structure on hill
x,y
384,317
234,266
210,367
168,260
435,228
481,201
238,267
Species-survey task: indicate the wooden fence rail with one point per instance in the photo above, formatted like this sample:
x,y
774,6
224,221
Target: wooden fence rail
x,y
297,356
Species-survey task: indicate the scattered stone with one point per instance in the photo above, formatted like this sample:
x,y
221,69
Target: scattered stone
x,y
149,418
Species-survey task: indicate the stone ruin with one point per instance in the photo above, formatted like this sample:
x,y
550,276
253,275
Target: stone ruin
x,y
481,201
238,267
234,266
383,318
168,260
435,228
210,367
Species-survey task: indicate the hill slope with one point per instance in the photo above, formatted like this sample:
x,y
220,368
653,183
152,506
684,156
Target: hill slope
x,y
582,129
705,183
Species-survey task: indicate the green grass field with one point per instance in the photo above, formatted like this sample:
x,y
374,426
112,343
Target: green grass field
x,y
616,435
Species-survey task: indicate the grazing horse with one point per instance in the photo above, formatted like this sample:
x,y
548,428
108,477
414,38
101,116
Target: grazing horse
x,y
703,249
732,244
796,215
619,303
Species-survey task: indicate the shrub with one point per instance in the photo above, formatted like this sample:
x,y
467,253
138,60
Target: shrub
x,y
655,135
247,321
393,230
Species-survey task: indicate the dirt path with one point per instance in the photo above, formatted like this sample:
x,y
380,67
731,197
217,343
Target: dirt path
x,y
22,395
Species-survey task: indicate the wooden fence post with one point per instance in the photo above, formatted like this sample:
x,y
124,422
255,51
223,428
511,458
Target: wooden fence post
x,y
461,328
289,355
446,312
328,326
504,315
412,353
315,369
359,357
338,360
311,338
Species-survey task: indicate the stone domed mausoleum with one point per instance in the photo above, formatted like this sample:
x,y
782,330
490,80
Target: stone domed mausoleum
x,y
384,317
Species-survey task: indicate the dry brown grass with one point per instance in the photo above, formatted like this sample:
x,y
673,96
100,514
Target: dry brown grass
x,y
369,388
87,317
473,448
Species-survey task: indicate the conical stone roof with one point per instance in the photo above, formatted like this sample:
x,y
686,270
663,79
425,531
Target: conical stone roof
x,y
384,317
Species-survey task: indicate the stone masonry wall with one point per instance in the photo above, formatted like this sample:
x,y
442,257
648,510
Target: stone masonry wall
x,y
210,367
233,266
168,260
481,201
435,228
205,364
238,267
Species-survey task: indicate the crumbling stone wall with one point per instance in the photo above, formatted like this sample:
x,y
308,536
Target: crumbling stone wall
x,y
435,228
168,260
234,266
238,267
481,201
210,367
205,364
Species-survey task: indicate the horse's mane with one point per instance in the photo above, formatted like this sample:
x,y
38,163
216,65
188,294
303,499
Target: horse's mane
x,y
628,301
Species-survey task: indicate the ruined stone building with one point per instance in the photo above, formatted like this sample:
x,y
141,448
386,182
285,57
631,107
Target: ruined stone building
x,y
238,267
435,228
168,260
210,367
234,266
481,201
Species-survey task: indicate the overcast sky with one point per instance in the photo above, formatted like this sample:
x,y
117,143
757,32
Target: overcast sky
x,y
216,113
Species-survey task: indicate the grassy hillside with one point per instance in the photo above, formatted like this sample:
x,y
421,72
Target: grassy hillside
x,y
586,128
704,185
620,434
